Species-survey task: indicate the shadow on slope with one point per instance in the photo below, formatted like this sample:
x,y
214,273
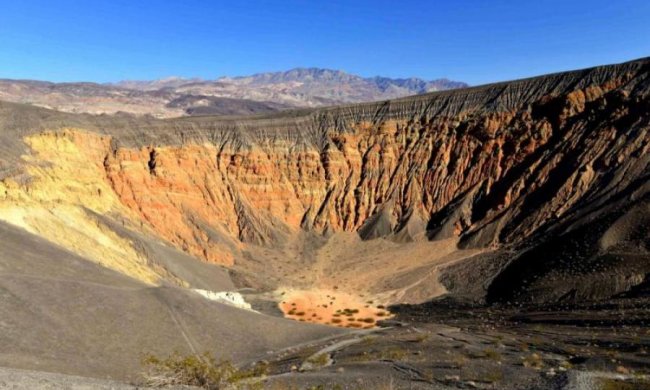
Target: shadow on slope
x,y
64,314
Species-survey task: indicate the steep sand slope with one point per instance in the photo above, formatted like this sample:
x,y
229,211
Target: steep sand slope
x,y
61,313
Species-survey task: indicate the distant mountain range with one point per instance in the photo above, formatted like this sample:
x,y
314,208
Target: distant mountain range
x,y
258,93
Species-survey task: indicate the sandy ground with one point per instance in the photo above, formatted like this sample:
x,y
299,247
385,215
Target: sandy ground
x,y
62,313
393,272
331,307
316,279
29,380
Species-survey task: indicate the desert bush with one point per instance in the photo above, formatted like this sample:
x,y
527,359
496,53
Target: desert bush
x,y
420,338
615,384
460,361
202,371
485,354
492,354
533,361
320,360
492,376
395,353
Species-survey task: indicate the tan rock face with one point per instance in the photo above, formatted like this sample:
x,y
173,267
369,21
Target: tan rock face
x,y
66,186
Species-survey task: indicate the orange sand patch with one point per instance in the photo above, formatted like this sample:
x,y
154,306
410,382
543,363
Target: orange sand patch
x,y
332,308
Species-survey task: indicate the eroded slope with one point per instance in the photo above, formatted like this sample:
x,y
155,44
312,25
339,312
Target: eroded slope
x,y
500,167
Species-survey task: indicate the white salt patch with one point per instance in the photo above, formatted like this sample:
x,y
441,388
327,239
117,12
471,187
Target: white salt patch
x,y
227,297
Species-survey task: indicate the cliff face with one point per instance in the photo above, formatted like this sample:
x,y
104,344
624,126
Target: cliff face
x,y
502,166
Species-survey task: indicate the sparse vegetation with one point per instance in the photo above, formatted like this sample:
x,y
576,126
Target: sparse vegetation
x,y
492,354
615,384
349,312
422,337
488,353
533,361
566,365
459,361
320,360
393,354
202,371
492,376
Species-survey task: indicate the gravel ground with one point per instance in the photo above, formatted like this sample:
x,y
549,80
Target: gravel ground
x,y
22,379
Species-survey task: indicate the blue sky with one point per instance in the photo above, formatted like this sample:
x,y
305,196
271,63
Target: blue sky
x,y
473,41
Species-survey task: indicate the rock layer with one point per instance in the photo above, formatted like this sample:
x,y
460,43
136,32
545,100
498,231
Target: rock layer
x,y
506,165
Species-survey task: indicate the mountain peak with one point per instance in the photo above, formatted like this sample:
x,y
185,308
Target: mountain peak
x,y
260,92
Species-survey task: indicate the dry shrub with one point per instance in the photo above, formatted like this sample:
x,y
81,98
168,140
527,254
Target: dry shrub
x,y
202,371
320,360
533,361
615,384
394,353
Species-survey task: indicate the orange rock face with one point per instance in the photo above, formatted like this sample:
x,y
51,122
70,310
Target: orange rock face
x,y
173,191
490,166
504,166
206,199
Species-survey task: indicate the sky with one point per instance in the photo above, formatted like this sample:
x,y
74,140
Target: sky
x,y
468,40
